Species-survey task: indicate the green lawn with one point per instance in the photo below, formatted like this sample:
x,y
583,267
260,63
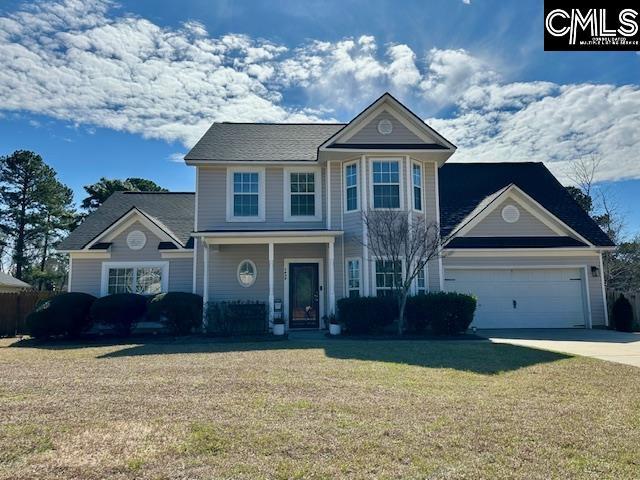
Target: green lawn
x,y
314,409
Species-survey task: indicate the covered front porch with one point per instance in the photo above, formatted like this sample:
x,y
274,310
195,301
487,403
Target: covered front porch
x,y
293,271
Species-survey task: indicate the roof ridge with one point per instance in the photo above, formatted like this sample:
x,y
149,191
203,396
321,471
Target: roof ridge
x,y
279,123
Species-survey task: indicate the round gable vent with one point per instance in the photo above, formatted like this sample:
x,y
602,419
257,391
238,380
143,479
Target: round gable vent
x,y
385,127
136,240
510,214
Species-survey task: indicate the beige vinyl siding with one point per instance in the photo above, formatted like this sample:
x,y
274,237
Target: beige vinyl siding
x,y
526,226
223,267
593,283
180,274
400,134
212,198
87,273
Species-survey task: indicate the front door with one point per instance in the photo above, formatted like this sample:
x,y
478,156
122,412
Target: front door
x,y
304,295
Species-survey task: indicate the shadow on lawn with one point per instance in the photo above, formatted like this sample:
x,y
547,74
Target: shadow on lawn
x,y
472,356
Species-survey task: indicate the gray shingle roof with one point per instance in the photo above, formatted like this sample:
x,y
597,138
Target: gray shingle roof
x,y
465,185
174,210
262,141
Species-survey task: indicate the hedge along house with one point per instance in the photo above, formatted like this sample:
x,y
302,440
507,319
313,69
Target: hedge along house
x,y
277,217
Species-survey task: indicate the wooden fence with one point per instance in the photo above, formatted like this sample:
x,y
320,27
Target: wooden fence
x,y
14,308
634,300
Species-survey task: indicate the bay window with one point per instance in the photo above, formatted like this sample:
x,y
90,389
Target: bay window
x,y
353,277
388,276
351,187
416,176
386,184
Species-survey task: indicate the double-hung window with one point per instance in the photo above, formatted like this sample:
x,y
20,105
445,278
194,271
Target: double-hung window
x,y
421,281
386,184
302,194
143,278
351,187
245,198
416,176
388,276
353,277
245,194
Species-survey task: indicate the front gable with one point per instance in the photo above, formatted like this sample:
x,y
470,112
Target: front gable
x,y
388,126
372,131
512,213
146,223
526,225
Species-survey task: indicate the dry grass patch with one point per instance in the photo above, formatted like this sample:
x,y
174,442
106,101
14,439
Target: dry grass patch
x,y
314,409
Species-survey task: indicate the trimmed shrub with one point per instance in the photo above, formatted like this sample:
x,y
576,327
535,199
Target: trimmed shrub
x,y
622,314
180,312
65,314
237,318
367,315
120,311
441,313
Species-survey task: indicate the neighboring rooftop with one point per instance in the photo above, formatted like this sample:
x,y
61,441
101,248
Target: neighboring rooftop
x,y
174,209
464,185
262,141
7,280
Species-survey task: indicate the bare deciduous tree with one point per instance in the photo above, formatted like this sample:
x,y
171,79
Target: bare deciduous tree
x,y
395,237
607,212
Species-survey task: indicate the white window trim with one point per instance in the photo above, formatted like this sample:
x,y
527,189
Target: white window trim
x,y
413,163
372,160
286,180
164,266
358,186
255,271
346,269
261,194
414,286
375,271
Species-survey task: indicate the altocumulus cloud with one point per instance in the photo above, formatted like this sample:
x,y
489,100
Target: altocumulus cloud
x,y
88,63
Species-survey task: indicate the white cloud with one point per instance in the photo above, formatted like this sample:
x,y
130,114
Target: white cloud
x,y
69,60
176,157
91,65
572,121
466,2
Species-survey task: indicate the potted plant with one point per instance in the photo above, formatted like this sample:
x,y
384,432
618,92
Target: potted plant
x,y
334,327
278,326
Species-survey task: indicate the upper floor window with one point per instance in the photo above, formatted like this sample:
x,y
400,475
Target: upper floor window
x,y
245,195
386,184
302,199
351,187
416,175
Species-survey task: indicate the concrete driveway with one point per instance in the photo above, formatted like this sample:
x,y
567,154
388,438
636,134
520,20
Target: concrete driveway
x,y
603,344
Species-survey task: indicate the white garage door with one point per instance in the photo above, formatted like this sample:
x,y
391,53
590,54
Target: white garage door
x,y
522,298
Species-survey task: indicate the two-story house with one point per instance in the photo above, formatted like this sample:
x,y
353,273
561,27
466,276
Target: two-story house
x,y
277,217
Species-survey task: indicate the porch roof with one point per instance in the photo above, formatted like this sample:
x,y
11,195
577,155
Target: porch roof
x,y
268,236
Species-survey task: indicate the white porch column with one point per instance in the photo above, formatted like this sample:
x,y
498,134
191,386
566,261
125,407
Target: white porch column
x,y
271,300
332,280
365,235
205,285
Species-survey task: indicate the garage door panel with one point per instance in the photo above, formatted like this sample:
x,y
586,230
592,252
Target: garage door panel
x,y
544,298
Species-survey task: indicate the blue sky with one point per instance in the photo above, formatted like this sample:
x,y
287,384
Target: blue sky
x,y
123,89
